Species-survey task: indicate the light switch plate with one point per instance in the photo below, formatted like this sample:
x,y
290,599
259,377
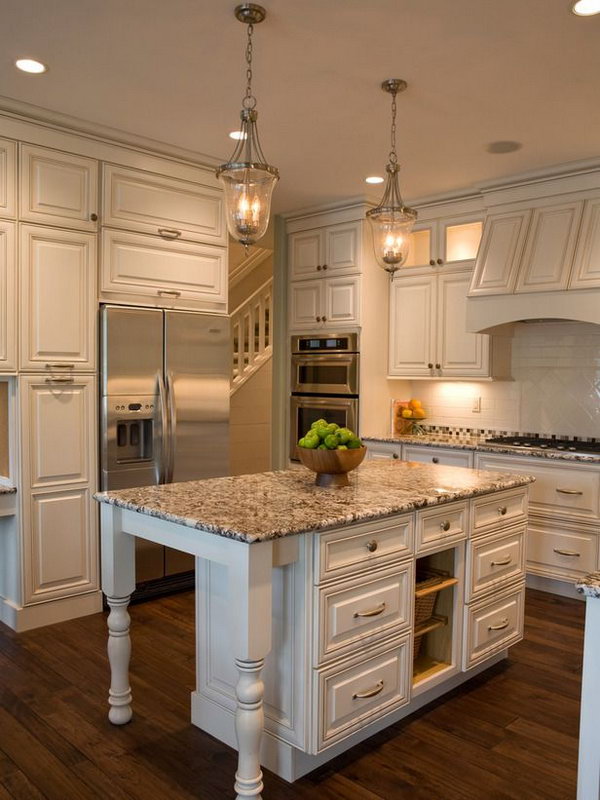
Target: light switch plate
x,y
476,405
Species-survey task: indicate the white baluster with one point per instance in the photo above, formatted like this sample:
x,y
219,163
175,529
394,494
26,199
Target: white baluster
x,y
249,724
119,652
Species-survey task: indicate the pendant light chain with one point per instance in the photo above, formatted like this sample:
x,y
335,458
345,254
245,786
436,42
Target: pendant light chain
x,y
393,157
249,100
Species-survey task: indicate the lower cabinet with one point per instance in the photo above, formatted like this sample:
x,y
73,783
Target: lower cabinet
x,y
383,450
437,455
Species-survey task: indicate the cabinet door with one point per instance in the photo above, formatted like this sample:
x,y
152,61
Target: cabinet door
x,y
342,299
421,252
458,240
550,247
412,326
459,353
586,269
8,178
172,208
8,298
58,188
59,430
437,455
500,253
306,254
58,298
306,302
342,248
137,267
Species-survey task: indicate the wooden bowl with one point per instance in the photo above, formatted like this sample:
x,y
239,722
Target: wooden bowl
x,y
332,466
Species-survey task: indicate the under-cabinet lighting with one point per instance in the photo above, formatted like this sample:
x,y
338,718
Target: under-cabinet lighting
x,y
586,8
30,65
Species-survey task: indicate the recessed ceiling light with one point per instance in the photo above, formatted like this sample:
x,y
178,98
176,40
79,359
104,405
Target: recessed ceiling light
x,y
503,146
374,179
586,8
30,65
237,135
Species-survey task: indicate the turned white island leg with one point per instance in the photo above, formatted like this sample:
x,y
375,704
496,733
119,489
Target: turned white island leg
x,y
118,582
250,577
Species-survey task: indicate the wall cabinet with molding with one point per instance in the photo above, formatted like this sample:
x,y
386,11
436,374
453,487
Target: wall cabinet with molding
x,y
451,241
325,252
8,297
8,178
325,303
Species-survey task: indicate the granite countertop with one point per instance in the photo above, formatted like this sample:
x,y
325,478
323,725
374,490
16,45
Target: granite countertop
x,y
476,442
7,488
269,505
590,585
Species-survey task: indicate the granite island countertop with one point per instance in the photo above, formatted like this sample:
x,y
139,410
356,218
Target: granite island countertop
x,y
7,488
590,585
477,442
269,505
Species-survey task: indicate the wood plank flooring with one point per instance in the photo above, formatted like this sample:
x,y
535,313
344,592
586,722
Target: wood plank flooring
x,y
508,734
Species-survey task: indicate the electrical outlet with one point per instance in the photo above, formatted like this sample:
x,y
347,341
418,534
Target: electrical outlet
x,y
476,405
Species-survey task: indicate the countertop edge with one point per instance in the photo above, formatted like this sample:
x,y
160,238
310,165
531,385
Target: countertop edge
x,y
590,585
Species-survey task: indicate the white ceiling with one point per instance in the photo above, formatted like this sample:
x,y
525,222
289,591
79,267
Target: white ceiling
x,y
478,71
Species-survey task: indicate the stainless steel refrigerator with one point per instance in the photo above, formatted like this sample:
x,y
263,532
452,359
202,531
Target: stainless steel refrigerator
x,y
164,412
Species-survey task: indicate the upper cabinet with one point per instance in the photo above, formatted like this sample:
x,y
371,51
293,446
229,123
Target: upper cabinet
x,y
500,253
8,297
447,241
323,252
586,269
168,207
8,178
330,303
58,189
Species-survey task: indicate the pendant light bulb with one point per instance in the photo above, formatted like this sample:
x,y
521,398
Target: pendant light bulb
x,y
248,180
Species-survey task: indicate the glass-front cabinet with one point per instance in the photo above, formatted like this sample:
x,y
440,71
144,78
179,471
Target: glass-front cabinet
x,y
446,241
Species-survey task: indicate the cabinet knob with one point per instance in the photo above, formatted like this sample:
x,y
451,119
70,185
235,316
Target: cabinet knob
x,y
395,455
432,262
94,217
502,510
440,261
318,319
324,266
438,366
319,268
324,319
430,365
435,460
445,526
372,546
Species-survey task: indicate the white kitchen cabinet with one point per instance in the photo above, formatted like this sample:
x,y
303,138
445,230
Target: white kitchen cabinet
x,y
586,268
550,247
500,253
8,178
332,250
450,240
383,451
57,188
428,336
58,299
149,270
437,455
8,298
136,200
331,303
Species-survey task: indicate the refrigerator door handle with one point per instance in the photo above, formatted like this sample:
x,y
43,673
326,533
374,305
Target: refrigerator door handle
x,y
163,466
172,427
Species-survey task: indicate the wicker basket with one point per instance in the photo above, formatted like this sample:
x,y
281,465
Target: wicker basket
x,y
427,579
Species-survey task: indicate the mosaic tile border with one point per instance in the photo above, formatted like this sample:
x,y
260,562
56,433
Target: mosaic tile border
x,y
452,431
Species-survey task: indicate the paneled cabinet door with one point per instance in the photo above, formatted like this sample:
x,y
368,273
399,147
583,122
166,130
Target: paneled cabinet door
x,y
586,269
342,248
172,208
548,256
58,188
8,298
59,431
306,254
342,298
8,178
459,353
306,301
500,253
58,298
412,326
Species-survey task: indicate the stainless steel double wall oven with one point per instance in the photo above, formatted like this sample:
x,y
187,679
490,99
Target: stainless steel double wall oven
x,y
324,382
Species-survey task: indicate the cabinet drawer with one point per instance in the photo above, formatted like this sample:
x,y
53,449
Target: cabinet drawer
x,y
495,560
561,551
362,610
437,526
170,207
436,455
499,509
353,694
364,547
493,625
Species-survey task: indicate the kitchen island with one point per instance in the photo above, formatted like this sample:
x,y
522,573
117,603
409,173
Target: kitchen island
x,y
326,615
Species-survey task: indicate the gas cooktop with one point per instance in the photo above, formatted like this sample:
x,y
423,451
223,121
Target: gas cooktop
x,y
566,445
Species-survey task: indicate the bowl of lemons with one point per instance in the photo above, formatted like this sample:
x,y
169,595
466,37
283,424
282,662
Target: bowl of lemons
x,y
330,451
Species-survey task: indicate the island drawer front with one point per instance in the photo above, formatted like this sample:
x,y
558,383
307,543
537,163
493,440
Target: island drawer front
x,y
501,508
353,614
493,624
495,560
438,526
561,551
353,694
364,547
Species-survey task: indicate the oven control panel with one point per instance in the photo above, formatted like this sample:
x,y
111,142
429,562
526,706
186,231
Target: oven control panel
x,y
336,343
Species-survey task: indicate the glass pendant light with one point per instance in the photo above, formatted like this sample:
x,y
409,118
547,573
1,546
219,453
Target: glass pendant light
x,y
392,221
247,178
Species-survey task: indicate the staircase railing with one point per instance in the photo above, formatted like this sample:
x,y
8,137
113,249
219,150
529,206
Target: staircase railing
x,y
251,324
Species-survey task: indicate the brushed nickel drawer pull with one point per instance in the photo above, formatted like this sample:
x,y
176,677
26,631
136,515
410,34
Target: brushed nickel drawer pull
x,y
60,380
169,233
375,690
569,491
170,292
572,553
502,510
372,546
370,612
60,366
499,627
445,526
502,563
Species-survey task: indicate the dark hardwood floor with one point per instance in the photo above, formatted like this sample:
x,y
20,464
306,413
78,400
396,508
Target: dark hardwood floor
x,y
508,733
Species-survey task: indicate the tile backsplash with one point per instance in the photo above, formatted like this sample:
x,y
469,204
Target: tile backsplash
x,y
556,386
